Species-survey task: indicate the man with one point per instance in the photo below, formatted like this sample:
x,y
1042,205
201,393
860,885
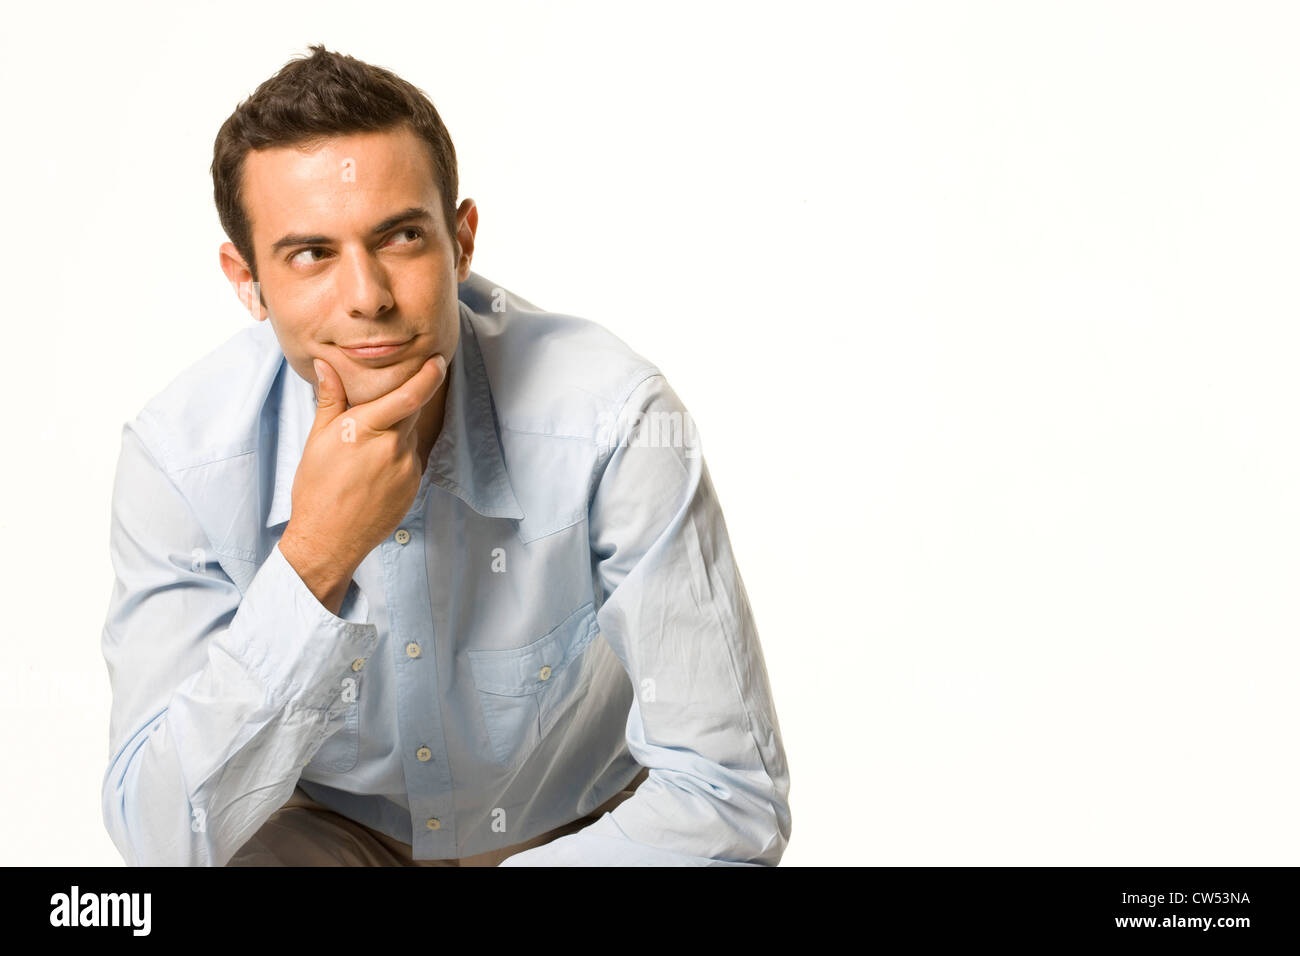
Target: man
x,y
411,571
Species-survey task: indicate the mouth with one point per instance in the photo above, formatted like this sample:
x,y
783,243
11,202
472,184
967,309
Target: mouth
x,y
376,349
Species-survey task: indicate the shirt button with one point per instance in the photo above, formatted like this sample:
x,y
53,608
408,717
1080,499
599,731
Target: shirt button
x,y
545,672
402,536
424,753
413,649
359,663
432,823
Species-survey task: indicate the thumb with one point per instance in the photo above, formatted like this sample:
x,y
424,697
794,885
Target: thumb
x,y
331,400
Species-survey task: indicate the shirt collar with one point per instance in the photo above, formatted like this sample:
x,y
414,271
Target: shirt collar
x,y
466,460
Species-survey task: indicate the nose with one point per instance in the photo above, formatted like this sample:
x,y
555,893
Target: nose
x,y
363,285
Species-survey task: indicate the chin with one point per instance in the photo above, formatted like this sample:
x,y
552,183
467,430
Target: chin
x,y
365,385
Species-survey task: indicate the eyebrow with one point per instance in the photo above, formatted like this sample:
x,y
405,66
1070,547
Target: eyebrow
x,y
412,214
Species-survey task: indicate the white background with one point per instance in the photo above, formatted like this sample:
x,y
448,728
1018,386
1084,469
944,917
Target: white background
x,y
986,314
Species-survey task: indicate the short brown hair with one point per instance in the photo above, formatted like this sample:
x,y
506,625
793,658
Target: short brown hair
x,y
312,98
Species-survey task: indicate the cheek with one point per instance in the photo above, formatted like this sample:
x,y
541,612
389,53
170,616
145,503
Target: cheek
x,y
298,349
297,335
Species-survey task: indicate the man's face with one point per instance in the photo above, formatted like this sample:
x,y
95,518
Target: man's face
x,y
342,262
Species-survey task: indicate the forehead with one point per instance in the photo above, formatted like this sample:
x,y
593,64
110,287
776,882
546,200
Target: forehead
x,y
336,183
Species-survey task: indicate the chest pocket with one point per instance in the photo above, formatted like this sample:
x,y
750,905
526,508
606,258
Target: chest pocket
x,y
340,751
523,691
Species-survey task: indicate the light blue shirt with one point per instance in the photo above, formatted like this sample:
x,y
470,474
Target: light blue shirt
x,y
559,607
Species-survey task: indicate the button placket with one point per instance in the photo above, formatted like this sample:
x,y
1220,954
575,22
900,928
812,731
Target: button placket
x,y
420,730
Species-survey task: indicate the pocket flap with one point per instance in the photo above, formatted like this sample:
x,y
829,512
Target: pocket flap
x,y
515,672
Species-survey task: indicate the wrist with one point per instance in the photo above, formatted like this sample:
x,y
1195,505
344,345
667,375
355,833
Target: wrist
x,y
320,571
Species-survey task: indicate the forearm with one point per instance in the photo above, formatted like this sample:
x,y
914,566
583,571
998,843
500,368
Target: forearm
x,y
169,800
194,782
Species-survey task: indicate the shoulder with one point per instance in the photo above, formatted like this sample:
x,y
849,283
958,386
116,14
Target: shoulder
x,y
212,409
554,373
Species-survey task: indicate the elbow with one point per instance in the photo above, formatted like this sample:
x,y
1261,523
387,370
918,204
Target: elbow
x,y
133,821
773,835
771,821
113,808
757,827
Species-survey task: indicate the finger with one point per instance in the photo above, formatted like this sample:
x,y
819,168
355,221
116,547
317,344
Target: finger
x,y
408,427
404,403
331,399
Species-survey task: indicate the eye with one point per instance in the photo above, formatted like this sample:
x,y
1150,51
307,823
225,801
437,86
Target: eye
x,y
418,233
295,258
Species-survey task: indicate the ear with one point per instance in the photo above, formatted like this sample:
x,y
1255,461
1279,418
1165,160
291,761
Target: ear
x,y
241,280
466,228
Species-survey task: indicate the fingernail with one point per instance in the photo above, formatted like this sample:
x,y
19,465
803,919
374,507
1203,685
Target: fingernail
x,y
320,375
442,363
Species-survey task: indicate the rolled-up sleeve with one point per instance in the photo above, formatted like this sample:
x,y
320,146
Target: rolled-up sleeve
x,y
676,613
219,698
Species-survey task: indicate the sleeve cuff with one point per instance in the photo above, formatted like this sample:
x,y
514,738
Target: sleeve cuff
x,y
285,636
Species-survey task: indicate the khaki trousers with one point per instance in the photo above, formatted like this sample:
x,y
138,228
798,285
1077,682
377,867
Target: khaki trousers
x,y
304,833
